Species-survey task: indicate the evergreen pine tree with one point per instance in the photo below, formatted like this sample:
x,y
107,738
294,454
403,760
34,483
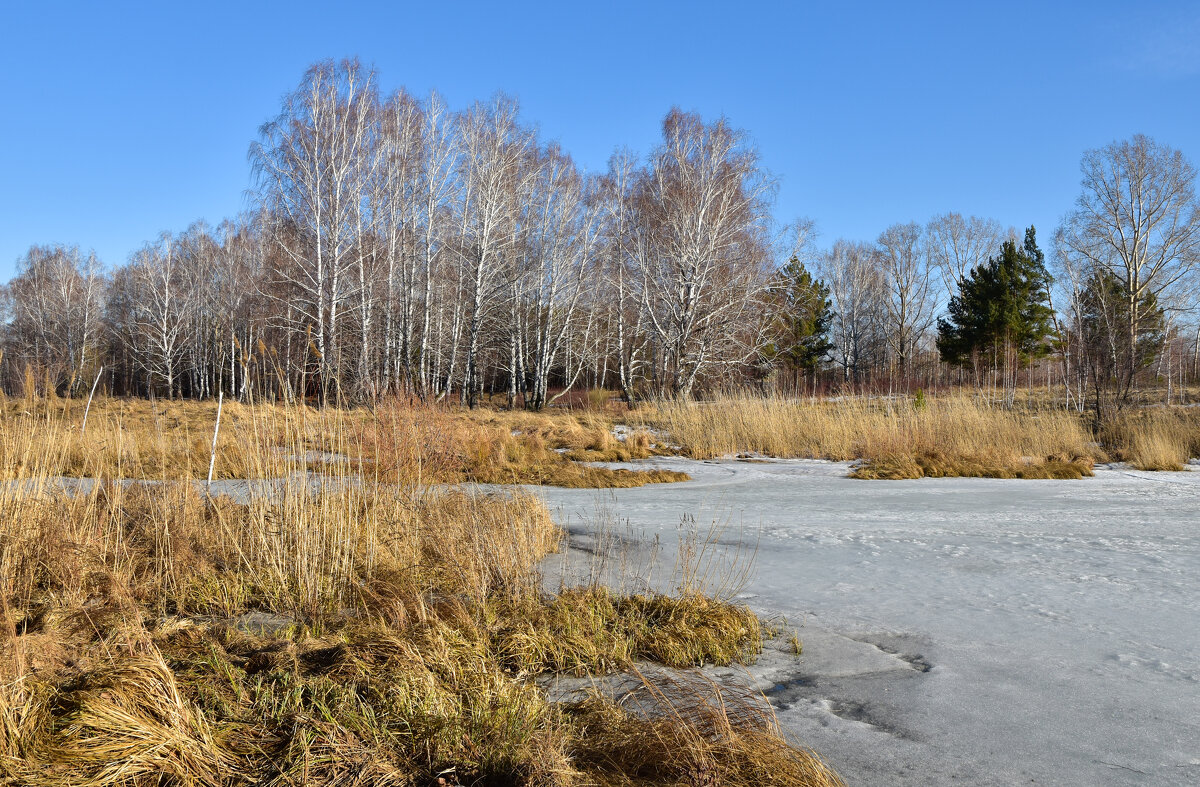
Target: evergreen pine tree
x,y
1001,307
803,316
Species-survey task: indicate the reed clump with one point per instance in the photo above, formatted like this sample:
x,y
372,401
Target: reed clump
x,y
1154,438
332,628
951,436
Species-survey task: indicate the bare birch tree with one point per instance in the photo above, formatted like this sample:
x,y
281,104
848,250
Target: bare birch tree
x,y
310,165
956,245
907,288
56,301
1137,219
397,246
623,257
561,241
494,148
856,289
436,188
704,201
161,313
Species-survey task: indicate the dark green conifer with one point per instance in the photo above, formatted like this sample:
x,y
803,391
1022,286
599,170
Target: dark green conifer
x,y
1002,306
803,316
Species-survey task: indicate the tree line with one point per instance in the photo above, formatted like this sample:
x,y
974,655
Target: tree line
x,y
962,300
397,246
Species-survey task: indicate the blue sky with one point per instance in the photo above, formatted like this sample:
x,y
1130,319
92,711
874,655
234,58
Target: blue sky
x,y
121,120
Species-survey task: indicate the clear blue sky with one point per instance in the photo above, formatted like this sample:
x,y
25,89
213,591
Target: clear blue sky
x,y
121,120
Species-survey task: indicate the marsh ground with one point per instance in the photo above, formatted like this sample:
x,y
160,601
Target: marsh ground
x,y
953,628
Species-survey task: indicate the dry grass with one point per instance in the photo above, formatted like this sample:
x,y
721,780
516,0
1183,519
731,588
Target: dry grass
x,y
171,440
680,729
952,436
507,447
357,626
592,630
1154,438
162,440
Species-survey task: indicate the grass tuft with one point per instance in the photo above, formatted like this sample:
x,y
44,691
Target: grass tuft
x,y
591,630
679,729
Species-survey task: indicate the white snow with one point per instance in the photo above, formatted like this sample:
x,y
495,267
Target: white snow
x,y
971,631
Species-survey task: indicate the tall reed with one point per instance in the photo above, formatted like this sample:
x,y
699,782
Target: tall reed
x,y
1154,438
945,436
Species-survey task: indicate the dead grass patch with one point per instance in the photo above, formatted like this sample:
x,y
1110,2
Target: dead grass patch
x,y
680,731
403,627
401,442
507,447
1154,438
953,436
592,630
936,465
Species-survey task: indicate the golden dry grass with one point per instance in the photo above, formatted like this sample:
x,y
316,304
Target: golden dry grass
x,y
135,438
393,441
950,436
348,627
1155,438
592,630
681,731
506,447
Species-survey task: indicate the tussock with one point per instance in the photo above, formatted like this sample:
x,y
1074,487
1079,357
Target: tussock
x,y
592,630
126,723
681,728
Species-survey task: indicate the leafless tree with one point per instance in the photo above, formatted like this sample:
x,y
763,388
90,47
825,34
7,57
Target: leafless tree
x,y
436,189
1137,219
396,245
494,149
956,245
56,304
623,255
560,240
162,312
705,269
414,186
856,289
312,166
908,292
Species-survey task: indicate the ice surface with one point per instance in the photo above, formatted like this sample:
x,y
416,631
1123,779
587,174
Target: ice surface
x,y
968,631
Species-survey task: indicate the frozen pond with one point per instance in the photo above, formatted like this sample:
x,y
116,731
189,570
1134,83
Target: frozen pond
x,y
968,631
